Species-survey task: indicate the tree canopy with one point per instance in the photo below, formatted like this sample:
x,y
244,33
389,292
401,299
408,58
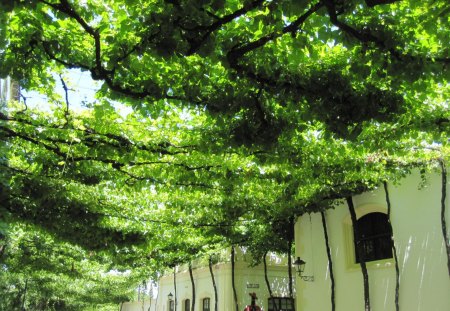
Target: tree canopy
x,y
244,115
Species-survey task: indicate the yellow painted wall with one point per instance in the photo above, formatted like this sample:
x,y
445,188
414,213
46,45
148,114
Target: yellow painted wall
x,y
416,221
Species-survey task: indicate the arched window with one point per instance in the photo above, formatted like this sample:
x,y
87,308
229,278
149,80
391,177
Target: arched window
x,y
205,304
187,305
374,237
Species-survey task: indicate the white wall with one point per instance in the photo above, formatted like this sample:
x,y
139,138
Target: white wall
x,y
146,305
416,221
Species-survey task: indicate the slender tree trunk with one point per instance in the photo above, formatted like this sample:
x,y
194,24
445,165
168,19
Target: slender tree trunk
x,y
2,250
269,289
291,292
232,278
139,293
143,297
443,223
362,260
213,282
150,296
193,286
2,247
175,288
24,295
330,262
290,242
121,305
394,249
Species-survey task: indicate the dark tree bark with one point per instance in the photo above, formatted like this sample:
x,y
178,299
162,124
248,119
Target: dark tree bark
x,y
213,282
24,295
193,286
290,242
443,223
362,260
372,3
2,250
394,249
232,278
269,289
330,262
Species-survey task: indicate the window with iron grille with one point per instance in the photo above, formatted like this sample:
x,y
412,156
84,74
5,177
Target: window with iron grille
x,y
206,303
374,237
187,305
281,304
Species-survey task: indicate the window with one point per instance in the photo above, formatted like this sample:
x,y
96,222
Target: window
x,y
374,237
281,304
187,305
171,305
206,303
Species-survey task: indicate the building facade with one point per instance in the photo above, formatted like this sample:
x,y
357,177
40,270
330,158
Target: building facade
x,y
247,280
415,215
144,305
9,90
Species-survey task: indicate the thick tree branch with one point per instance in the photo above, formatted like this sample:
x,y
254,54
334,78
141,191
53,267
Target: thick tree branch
x,y
372,3
197,43
242,49
366,37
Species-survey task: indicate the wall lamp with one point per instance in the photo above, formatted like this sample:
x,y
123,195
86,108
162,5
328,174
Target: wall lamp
x,y
300,268
170,296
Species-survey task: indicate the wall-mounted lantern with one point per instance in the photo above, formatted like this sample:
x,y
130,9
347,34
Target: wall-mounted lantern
x,y
300,268
170,296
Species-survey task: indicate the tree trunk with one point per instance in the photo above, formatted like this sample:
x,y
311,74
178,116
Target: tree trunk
x,y
269,289
150,295
362,261
232,278
193,286
394,249
213,282
24,295
2,250
443,223
330,262
139,293
290,242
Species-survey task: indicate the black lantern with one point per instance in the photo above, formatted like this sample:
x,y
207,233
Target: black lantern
x,y
170,296
300,268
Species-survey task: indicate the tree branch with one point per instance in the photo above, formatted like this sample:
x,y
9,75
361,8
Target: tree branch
x,y
242,49
196,44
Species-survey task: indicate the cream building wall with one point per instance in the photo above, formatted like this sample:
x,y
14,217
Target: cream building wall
x,y
422,258
247,280
146,305
9,90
